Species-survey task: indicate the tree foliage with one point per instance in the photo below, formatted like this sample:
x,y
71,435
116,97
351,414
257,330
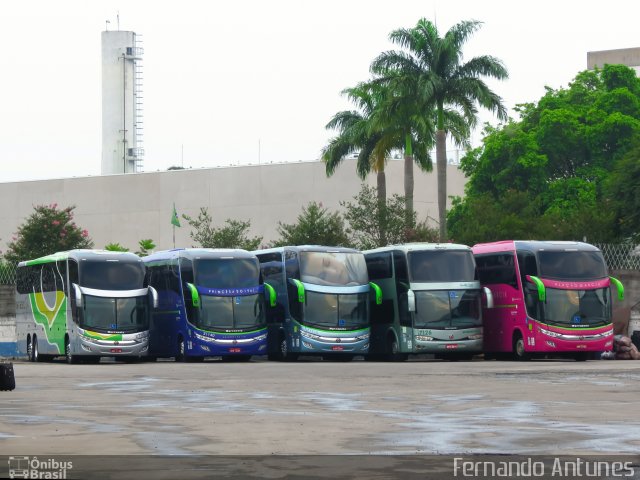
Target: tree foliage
x,y
367,218
232,235
146,247
568,169
314,226
47,230
115,247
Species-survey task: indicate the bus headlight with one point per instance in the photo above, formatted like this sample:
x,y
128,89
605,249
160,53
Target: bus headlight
x,y
423,338
475,337
550,333
259,338
312,336
142,336
364,336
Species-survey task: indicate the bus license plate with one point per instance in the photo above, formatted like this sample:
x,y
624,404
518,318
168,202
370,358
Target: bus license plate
x,y
116,350
451,346
234,350
337,348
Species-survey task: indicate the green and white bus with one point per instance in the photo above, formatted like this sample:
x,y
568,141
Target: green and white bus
x,y
83,304
431,301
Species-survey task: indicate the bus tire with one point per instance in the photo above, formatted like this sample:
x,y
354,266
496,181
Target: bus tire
x,y
519,352
69,356
393,351
29,349
285,354
181,356
35,351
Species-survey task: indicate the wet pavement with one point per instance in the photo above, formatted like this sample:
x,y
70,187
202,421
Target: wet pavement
x,y
546,407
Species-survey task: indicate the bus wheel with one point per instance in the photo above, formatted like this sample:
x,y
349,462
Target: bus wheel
x,y
35,354
71,358
181,357
519,352
393,351
29,349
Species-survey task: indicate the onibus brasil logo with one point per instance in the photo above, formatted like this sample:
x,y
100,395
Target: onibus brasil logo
x,y
32,467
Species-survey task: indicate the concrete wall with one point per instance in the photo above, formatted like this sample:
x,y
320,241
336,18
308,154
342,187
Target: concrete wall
x,y
624,56
128,208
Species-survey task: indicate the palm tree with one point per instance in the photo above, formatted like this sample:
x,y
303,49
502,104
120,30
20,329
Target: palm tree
x,y
435,65
358,132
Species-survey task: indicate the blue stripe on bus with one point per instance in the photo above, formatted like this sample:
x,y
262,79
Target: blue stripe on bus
x,y
8,349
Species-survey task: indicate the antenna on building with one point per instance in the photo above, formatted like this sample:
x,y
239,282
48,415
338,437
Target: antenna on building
x,y
118,17
106,27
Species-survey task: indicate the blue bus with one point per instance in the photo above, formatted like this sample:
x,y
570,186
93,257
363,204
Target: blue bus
x,y
322,302
210,303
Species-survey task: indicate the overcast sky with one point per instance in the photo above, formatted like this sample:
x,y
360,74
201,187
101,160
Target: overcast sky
x,y
223,77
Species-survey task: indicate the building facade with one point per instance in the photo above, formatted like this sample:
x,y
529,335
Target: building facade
x,y
127,208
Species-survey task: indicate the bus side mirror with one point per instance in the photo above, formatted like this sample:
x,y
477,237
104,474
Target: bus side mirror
x,y
78,294
377,291
195,297
619,287
542,292
271,292
411,300
153,293
489,296
300,287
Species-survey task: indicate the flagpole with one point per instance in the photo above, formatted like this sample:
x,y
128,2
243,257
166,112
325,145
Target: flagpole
x,y
174,236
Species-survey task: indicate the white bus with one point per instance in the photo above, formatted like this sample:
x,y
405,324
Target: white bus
x,y
83,304
431,301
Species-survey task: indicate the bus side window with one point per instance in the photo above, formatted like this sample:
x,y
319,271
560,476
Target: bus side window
x,y
379,266
402,287
497,268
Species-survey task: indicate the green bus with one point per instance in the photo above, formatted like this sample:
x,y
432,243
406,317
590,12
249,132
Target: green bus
x,y
83,304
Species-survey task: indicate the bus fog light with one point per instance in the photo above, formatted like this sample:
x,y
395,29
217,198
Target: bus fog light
x,y
551,344
423,338
85,348
262,347
608,344
307,345
205,348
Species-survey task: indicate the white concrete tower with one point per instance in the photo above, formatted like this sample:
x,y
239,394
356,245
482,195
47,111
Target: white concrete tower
x,y
122,149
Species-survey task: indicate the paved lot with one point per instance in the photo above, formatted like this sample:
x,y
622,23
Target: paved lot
x,y
312,407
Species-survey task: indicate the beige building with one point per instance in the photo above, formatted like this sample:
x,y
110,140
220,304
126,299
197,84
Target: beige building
x,y
624,56
128,208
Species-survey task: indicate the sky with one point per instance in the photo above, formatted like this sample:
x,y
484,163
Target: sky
x,y
238,82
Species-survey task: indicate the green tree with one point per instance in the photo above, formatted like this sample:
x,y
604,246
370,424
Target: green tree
x,y
232,235
566,170
47,230
115,247
367,218
315,226
146,246
435,63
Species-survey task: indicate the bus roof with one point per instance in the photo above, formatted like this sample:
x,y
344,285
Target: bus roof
x,y
193,253
81,254
419,246
307,248
533,245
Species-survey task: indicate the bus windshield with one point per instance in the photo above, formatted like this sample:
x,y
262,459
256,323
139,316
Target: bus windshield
x,y
442,266
335,311
584,308
333,268
571,265
447,309
114,314
111,274
227,272
226,313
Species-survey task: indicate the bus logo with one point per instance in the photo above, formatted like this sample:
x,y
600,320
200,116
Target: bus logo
x,y
338,340
18,467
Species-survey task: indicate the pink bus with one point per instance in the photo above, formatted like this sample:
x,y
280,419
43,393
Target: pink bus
x,y
549,298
